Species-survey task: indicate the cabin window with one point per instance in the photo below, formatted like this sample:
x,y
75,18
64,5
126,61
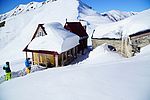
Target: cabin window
x,y
41,33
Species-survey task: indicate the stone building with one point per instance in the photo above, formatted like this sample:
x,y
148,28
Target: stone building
x,y
126,46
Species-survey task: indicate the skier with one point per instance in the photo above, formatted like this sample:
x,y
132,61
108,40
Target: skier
x,y
6,67
28,65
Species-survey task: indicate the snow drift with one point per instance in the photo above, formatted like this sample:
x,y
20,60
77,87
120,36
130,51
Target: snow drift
x,y
126,79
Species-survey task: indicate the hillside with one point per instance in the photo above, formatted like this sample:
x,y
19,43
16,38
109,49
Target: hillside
x,y
22,21
124,79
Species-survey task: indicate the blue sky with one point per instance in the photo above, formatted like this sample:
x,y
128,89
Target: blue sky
x,y
123,5
99,5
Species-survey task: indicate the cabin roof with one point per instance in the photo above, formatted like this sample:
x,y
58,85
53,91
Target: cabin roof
x,y
140,33
57,39
77,28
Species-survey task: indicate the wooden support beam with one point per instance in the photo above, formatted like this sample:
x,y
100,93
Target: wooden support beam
x,y
66,55
62,59
76,51
46,60
56,60
26,55
38,59
32,58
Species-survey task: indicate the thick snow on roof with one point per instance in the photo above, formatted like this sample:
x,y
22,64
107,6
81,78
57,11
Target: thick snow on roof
x,y
125,27
57,39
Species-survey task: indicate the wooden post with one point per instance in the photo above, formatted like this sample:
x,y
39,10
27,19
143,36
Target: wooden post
x,y
128,54
122,46
32,58
56,60
26,55
76,51
73,52
38,59
66,55
62,60
45,60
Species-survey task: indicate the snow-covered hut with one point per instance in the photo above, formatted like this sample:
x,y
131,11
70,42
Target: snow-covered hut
x,y
127,35
139,40
78,29
52,45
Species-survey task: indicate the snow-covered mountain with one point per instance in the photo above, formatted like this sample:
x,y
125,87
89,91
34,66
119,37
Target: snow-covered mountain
x,y
116,15
22,8
113,15
21,22
128,26
85,12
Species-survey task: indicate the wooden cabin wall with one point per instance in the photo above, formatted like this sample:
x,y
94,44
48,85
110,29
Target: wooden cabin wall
x,y
63,59
82,46
50,58
44,59
36,58
85,43
66,57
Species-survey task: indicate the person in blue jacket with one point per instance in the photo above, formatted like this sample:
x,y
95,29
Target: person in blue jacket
x,y
28,65
6,67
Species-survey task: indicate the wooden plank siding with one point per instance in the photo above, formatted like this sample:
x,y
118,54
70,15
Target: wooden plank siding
x,y
50,59
43,59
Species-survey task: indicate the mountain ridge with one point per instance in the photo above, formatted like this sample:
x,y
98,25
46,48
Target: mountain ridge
x,y
19,28
116,15
113,15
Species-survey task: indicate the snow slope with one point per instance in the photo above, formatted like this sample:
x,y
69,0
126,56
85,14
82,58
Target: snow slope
x,y
124,27
124,79
116,15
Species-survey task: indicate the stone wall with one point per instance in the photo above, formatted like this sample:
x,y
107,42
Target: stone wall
x,y
141,41
128,46
115,43
122,47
